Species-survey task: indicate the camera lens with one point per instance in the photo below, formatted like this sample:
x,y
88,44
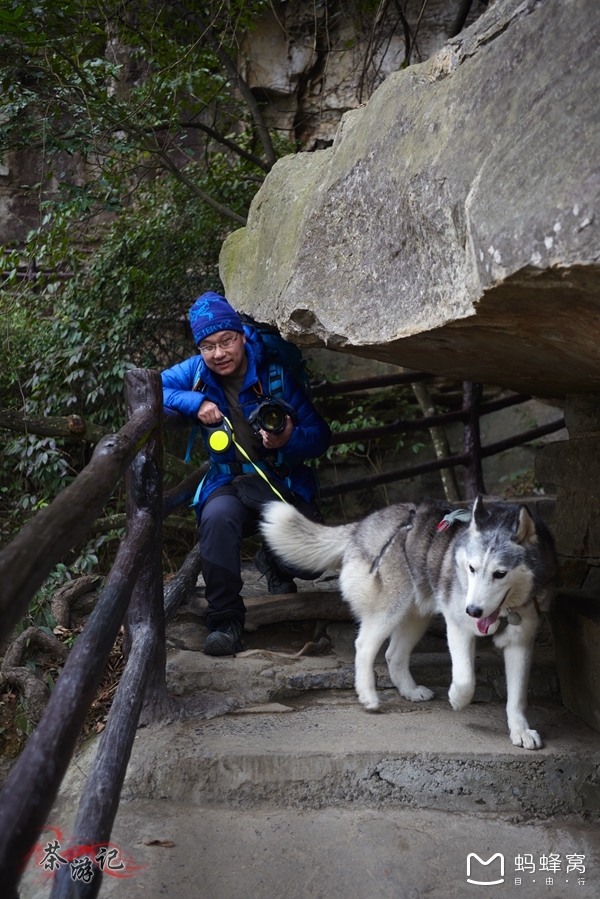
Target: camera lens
x,y
272,419
271,415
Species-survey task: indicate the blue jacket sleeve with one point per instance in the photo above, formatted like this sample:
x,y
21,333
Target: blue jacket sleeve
x,y
311,435
177,388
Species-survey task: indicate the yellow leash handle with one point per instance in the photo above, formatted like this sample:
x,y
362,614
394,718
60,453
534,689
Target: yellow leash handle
x,y
256,469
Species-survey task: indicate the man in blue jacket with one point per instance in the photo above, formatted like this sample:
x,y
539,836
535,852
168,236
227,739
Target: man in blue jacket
x,y
224,385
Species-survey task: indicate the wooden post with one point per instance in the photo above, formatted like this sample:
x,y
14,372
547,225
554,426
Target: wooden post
x,y
143,681
183,583
144,492
33,782
472,442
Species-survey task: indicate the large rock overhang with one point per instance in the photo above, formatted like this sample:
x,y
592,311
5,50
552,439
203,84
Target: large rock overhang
x,y
453,225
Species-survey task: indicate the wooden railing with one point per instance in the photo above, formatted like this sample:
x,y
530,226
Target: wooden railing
x,y
133,594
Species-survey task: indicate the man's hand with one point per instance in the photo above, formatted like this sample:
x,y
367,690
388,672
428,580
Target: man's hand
x,y
209,413
276,441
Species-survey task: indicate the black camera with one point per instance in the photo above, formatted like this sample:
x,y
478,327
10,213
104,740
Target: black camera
x,y
270,415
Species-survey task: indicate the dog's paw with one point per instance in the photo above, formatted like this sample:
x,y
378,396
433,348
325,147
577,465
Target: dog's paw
x,y
371,704
527,738
460,696
418,694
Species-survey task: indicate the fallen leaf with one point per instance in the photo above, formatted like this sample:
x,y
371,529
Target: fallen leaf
x,y
100,727
165,843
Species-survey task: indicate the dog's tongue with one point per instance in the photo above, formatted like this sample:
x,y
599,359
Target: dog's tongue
x,y
484,624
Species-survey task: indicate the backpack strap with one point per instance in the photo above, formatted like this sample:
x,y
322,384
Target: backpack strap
x,y
276,379
198,385
190,444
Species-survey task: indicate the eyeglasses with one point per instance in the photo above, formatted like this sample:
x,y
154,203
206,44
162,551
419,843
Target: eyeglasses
x,y
207,349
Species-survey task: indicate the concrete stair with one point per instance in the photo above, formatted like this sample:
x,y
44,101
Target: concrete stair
x,y
275,782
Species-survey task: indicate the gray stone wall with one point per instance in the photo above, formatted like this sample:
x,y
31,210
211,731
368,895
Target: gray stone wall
x,y
573,469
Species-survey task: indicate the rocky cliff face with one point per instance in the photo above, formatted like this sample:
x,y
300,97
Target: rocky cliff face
x,y
311,62
307,62
453,225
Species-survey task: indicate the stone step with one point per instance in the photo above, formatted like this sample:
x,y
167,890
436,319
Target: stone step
x,y
255,801
275,772
325,750
180,850
266,671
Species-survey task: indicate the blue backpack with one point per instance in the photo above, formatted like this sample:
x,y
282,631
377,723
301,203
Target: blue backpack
x,y
282,355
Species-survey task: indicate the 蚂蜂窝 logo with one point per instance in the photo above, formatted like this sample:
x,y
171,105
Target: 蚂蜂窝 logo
x,y
485,883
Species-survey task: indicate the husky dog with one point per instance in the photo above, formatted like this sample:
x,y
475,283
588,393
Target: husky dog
x,y
491,574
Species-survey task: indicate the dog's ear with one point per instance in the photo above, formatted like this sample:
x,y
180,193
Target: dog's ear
x,y
480,514
526,532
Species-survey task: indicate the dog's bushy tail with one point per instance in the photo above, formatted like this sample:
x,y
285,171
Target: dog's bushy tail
x,y
301,542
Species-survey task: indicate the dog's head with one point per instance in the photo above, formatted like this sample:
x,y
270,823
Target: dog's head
x,y
493,562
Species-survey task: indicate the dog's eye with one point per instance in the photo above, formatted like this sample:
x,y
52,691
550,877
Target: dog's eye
x,y
471,569
499,575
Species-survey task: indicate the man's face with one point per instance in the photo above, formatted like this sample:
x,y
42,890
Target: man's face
x,y
225,353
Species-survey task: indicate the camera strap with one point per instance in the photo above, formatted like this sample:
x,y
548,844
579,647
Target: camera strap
x,y
254,466
230,436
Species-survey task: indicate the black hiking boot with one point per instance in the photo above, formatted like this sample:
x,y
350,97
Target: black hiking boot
x,y
226,640
277,581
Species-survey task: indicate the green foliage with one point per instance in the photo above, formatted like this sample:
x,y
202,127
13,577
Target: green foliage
x,y
371,410
144,154
23,721
67,350
357,418
142,148
109,95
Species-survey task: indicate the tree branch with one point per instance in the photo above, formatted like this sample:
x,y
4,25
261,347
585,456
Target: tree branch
x,y
206,198
74,427
16,674
440,441
200,126
461,17
406,29
124,123
235,76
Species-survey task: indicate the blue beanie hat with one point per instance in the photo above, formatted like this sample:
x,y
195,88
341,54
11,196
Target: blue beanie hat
x,y
210,313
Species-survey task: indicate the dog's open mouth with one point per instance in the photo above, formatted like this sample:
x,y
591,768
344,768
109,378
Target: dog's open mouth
x,y
484,624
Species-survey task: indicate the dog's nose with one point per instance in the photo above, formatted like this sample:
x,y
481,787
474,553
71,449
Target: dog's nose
x,y
474,611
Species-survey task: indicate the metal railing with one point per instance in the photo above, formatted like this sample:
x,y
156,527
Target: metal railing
x,y
469,415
